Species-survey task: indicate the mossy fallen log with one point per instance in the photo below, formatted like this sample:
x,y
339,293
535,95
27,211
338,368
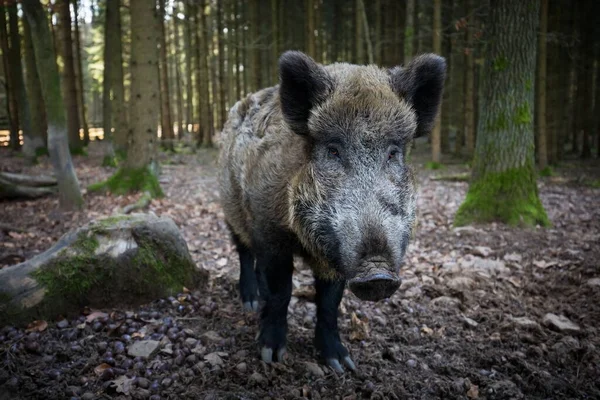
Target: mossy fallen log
x,y
116,261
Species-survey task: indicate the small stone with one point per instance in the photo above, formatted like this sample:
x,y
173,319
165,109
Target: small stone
x,y
242,367
88,396
62,324
257,378
482,251
490,266
470,322
593,282
413,292
409,283
560,322
525,323
144,348
427,280
411,363
314,369
445,302
141,394
214,359
143,383
191,342
211,337
460,283
513,257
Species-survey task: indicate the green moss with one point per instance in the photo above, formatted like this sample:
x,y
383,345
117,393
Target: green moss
x,y
164,268
408,33
529,84
434,165
500,63
78,151
548,171
130,180
109,161
500,124
523,115
510,197
41,151
121,154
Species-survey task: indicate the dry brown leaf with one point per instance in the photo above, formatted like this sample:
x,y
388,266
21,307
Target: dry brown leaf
x,y
101,368
473,392
37,326
359,329
94,315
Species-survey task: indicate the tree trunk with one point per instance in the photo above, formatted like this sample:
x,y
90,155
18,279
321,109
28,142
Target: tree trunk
x,y
275,42
310,28
110,24
39,125
79,76
409,31
9,84
207,114
117,82
189,59
436,133
367,36
359,34
540,86
254,50
177,67
469,81
238,51
587,94
167,134
503,185
23,110
222,71
58,146
64,14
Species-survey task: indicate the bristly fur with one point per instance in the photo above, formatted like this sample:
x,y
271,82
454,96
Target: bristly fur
x,y
282,185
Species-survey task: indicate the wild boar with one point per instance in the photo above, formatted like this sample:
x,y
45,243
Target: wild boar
x,y
316,166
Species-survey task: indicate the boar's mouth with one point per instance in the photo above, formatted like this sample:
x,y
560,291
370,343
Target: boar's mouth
x,y
375,282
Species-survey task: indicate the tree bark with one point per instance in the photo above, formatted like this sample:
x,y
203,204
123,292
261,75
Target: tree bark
x,y
222,71
540,86
29,144
503,186
110,24
177,68
66,39
9,84
39,124
254,50
238,51
436,132
167,134
58,146
409,31
469,82
79,75
367,36
189,59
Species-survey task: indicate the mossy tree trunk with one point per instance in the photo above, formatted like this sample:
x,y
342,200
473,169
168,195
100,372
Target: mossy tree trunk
x,y
79,74
11,94
540,88
436,133
140,169
110,31
39,124
222,71
469,81
189,59
29,141
176,59
409,31
503,186
207,112
66,41
589,35
58,146
167,134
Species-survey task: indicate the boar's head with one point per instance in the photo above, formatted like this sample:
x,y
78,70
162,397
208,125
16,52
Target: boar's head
x,y
352,205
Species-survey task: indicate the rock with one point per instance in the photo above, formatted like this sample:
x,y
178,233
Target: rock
x,y
525,323
427,280
460,283
413,292
445,302
482,251
513,257
242,367
257,378
409,283
62,324
560,323
210,337
314,369
214,359
144,348
117,252
593,282
490,266
88,396
471,323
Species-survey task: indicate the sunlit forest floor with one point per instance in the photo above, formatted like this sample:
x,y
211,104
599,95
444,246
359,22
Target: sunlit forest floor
x,y
487,312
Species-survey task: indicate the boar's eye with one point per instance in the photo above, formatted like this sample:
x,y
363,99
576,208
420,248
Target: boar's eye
x,y
392,154
332,151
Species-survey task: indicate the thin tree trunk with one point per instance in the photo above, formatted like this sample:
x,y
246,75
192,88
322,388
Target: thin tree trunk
x,y
222,71
409,31
189,59
166,117
540,86
207,114
254,51
9,84
469,82
436,133
58,146
107,79
19,83
238,49
39,125
503,185
359,34
275,42
66,39
310,28
177,67
79,76
365,24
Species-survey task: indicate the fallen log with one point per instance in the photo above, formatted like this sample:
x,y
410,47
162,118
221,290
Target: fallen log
x,y
122,260
28,180
11,190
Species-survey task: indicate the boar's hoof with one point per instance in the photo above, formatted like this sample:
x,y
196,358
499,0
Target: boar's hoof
x,y
251,306
266,353
374,286
337,367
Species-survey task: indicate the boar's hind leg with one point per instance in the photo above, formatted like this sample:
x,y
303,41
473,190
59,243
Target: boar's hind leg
x,y
275,283
327,335
248,282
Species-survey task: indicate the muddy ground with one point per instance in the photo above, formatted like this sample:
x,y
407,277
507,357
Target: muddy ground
x,y
485,312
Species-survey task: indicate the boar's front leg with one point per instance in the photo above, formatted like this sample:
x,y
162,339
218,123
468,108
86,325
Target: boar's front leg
x,y
275,268
327,335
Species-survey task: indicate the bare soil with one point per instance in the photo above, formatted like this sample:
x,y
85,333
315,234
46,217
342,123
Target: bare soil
x,y
470,321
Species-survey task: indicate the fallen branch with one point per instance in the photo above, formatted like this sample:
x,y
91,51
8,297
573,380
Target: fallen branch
x,y
142,203
28,180
10,190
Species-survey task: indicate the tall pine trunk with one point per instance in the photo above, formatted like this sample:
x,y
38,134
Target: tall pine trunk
x,y
409,31
540,88
503,186
469,81
9,84
177,67
39,124
58,146
66,43
16,73
206,110
165,99
189,60
222,71
436,133
79,75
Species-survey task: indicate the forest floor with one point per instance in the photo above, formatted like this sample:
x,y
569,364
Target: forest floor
x,y
484,312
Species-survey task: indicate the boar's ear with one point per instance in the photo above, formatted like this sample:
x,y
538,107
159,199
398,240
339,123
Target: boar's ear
x,y
421,83
303,85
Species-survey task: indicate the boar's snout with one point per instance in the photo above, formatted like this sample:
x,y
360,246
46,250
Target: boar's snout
x,y
377,282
